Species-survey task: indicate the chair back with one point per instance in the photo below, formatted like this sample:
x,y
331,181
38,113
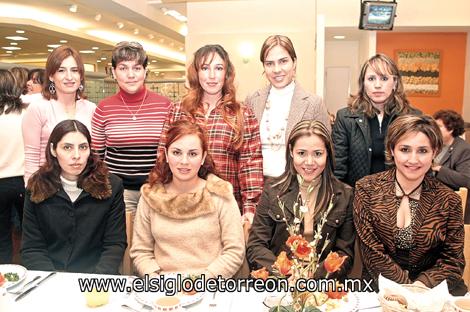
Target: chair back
x,y
463,192
466,252
127,267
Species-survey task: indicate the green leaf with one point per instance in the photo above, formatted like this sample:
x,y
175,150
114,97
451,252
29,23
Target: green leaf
x,y
311,309
281,309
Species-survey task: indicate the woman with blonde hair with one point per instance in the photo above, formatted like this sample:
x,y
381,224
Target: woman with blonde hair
x,y
63,98
282,104
232,129
359,130
409,224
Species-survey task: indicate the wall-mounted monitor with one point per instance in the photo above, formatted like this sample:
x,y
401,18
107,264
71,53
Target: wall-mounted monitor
x,y
377,15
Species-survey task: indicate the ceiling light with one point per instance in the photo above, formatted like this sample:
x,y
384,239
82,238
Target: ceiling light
x,y
49,50
150,36
181,48
154,1
109,64
172,44
11,48
20,31
120,25
98,17
9,52
175,14
184,30
73,8
103,58
13,43
63,41
95,48
98,61
339,37
16,38
136,31
86,51
154,61
161,40
53,46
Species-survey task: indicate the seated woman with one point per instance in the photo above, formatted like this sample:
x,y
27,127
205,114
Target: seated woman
x,y
452,165
309,156
409,224
74,216
187,217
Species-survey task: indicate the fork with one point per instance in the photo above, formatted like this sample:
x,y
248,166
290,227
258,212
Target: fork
x,y
19,291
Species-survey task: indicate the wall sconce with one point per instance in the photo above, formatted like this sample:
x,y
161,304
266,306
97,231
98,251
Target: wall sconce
x,y
246,51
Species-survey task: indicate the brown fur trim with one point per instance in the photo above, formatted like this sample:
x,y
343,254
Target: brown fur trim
x,y
98,186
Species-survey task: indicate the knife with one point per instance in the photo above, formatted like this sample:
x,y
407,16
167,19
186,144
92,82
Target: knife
x,y
22,295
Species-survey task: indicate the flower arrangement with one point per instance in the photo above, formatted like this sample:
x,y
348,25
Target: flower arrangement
x,y
304,260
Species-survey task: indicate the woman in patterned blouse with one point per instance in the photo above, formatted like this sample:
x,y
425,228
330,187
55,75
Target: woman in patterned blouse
x,y
232,129
409,224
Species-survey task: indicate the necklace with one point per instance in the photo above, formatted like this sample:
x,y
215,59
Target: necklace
x,y
134,115
415,192
275,138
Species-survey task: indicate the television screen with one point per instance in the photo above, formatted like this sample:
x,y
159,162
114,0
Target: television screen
x,y
377,15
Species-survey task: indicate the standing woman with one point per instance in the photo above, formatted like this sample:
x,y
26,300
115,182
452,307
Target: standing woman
x,y
232,129
127,126
74,216
34,84
63,98
452,165
409,224
310,157
186,221
11,159
360,129
282,104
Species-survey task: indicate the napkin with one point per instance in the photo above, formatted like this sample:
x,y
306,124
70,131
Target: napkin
x,y
432,300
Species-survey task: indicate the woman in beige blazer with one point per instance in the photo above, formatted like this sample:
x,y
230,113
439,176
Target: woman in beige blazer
x,y
282,104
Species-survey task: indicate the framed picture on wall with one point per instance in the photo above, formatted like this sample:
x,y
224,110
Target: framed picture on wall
x,y
420,71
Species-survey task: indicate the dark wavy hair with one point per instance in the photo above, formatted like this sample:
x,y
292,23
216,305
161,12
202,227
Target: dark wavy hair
x,y
232,112
21,76
10,101
54,60
45,182
302,129
452,120
397,102
161,173
37,75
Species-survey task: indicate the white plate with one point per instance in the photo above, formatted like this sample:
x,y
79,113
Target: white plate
x,y
149,298
13,268
351,305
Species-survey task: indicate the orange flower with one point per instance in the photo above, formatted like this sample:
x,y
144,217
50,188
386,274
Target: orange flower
x,y
299,246
292,239
337,293
283,264
261,273
333,262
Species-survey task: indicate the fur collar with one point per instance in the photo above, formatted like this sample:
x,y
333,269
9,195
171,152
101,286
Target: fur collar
x,y
189,205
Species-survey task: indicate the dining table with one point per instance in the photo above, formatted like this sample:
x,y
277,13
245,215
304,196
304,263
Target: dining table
x,y
61,292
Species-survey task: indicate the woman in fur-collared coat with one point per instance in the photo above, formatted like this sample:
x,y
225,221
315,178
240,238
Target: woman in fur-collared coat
x,y
74,216
187,219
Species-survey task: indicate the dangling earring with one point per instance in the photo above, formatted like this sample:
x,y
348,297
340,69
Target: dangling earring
x,y
52,88
81,87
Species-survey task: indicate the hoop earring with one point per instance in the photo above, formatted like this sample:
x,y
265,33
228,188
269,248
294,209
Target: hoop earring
x,y
81,87
52,88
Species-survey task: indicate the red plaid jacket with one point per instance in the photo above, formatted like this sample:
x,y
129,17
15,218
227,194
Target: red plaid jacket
x,y
243,167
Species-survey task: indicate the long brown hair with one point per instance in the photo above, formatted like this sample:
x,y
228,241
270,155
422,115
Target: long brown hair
x,y
309,128
397,102
9,94
46,181
231,109
161,173
55,59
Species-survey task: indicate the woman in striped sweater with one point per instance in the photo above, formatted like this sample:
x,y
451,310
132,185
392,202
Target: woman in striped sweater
x,y
126,127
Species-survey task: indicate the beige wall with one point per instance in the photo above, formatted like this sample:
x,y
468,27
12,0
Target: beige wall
x,y
231,23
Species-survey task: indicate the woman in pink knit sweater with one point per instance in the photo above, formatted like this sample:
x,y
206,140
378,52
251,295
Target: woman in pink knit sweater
x,y
185,216
63,98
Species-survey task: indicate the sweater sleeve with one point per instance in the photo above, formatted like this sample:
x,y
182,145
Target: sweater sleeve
x,y
32,128
143,242
98,132
114,239
233,242
34,252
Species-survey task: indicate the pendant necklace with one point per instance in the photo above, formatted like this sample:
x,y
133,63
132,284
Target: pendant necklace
x,y
134,117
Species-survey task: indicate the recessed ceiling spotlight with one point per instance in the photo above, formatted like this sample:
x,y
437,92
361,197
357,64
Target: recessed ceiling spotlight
x,y
98,17
161,40
95,48
49,50
136,31
87,51
13,43
103,58
9,52
16,38
53,45
120,25
63,41
20,31
98,61
154,61
73,8
11,48
150,36
109,64
339,37
181,48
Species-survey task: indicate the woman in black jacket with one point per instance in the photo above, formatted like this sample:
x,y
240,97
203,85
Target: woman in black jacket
x,y
359,129
74,216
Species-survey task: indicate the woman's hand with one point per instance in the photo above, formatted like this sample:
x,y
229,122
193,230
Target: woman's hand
x,y
418,283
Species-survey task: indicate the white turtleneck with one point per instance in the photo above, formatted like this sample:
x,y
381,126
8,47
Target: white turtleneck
x,y
275,117
71,188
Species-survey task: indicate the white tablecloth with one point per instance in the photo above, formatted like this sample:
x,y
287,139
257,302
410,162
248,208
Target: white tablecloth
x,y
61,293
